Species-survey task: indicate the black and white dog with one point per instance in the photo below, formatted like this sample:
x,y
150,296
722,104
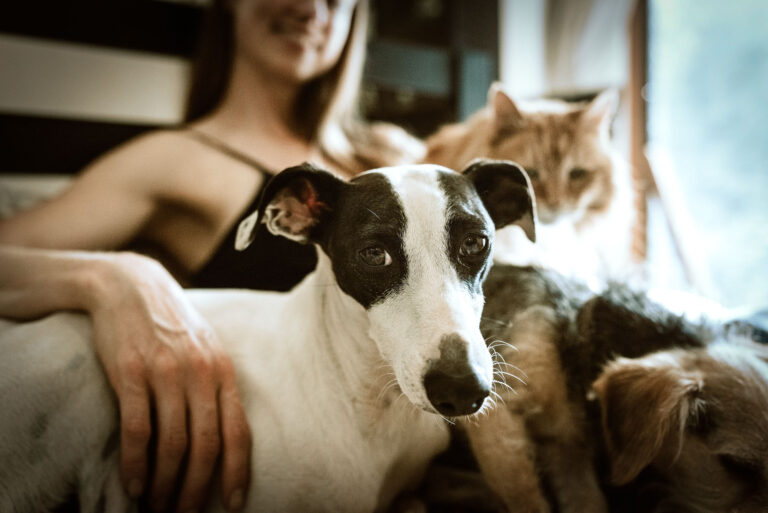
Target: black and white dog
x,y
392,309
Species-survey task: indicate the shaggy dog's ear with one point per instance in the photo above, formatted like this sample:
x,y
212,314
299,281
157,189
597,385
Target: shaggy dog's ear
x,y
506,192
295,204
646,405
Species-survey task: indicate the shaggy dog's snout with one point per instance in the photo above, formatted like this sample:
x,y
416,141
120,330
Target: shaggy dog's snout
x,y
452,385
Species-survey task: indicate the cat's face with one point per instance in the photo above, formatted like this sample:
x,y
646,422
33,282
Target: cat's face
x,y
564,148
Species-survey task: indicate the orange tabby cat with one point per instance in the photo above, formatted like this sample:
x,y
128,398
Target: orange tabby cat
x,y
583,192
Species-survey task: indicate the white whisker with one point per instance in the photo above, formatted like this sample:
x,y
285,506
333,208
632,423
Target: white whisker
x,y
391,384
449,421
515,367
498,342
497,321
505,384
513,376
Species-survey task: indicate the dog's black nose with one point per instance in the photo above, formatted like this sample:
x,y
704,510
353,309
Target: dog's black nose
x,y
452,386
455,395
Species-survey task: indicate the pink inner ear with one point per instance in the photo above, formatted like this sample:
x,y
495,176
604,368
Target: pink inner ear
x,y
294,210
308,195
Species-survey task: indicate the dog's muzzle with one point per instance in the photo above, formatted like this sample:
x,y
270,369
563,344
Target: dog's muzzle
x,y
452,385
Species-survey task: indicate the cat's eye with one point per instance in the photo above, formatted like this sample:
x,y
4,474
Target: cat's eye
x,y
578,173
532,174
375,256
473,245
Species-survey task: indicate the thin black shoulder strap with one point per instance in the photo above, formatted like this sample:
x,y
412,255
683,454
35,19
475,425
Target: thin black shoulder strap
x,y
222,147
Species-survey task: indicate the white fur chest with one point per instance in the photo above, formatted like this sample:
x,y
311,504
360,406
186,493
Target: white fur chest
x,y
323,439
337,464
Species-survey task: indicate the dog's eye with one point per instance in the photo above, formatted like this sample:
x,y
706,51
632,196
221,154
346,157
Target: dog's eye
x,y
578,173
739,466
473,245
375,256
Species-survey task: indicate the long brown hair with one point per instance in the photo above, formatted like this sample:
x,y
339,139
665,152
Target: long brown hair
x,y
327,109
212,65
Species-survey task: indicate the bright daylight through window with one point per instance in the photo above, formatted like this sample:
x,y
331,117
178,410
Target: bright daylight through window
x,y
708,138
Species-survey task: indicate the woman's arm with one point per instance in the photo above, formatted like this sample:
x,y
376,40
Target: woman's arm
x,y
106,207
156,349
154,346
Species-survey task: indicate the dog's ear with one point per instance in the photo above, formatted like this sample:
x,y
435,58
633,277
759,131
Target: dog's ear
x,y
294,204
506,192
646,405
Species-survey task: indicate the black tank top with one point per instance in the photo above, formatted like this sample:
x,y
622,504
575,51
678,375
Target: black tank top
x,y
269,263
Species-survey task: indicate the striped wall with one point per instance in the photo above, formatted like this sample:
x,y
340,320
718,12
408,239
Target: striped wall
x,y
62,103
41,77
78,77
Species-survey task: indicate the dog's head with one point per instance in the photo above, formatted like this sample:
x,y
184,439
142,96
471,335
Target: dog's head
x,y
409,246
698,418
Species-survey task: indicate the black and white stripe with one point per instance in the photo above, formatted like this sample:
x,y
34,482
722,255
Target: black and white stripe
x,y
78,78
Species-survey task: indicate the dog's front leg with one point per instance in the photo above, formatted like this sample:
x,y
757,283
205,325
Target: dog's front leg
x,y
571,475
506,457
101,490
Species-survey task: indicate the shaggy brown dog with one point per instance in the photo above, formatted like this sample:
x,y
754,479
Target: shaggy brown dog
x,y
537,437
694,422
699,407
704,430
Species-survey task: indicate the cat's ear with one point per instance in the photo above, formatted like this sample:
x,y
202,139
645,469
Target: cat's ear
x,y
505,113
599,113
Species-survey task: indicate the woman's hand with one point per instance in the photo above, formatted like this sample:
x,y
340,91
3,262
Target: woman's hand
x,y
160,354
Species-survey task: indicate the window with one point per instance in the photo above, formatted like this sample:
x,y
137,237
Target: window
x,y
708,139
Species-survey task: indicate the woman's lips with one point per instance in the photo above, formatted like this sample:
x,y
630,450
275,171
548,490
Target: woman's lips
x,y
300,33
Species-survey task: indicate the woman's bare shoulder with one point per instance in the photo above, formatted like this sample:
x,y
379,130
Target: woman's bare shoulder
x,y
152,160
155,148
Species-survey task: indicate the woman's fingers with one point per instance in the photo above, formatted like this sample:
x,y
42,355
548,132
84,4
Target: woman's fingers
x,y
171,430
155,345
135,430
203,421
205,440
236,439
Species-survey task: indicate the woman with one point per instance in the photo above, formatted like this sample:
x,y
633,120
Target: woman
x,y
284,93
